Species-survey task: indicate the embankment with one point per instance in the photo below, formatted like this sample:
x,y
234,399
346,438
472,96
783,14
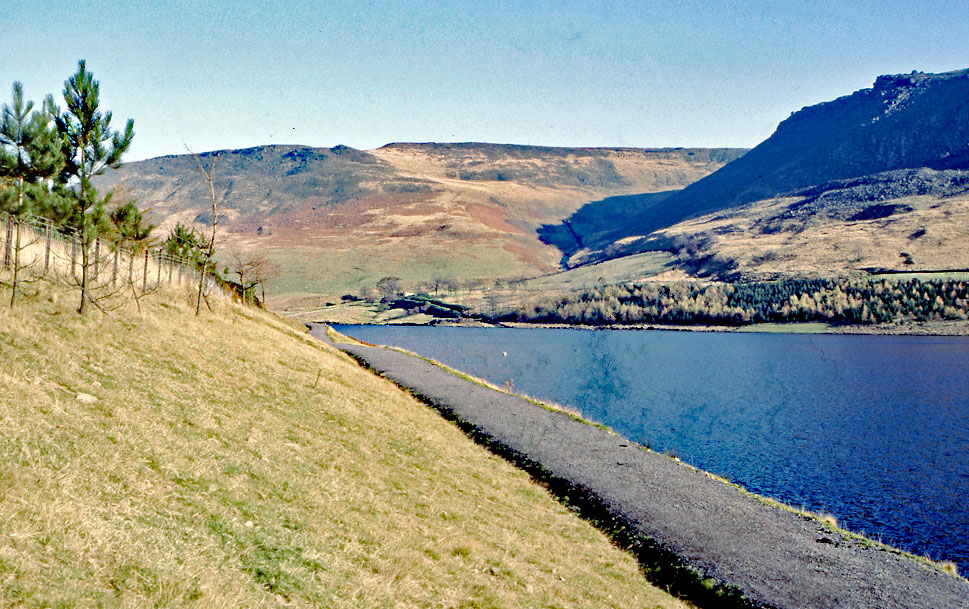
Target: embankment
x,y
692,532
229,460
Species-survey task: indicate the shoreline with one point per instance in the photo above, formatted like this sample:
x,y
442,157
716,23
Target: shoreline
x,y
724,534
954,328
935,328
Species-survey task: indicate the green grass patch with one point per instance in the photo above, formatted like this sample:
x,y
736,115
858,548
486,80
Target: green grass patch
x,y
619,270
329,271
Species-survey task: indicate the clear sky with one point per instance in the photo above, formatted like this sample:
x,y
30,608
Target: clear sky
x,y
233,74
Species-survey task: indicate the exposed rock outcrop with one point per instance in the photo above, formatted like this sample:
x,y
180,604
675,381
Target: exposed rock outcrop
x,y
902,122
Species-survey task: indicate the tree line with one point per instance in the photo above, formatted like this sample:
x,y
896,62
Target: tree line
x,y
251,269
50,155
48,158
391,286
845,301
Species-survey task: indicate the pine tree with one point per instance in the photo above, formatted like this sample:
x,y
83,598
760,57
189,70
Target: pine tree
x,y
91,148
30,155
131,233
130,230
184,242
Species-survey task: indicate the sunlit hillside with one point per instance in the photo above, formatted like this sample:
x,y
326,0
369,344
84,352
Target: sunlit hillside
x,y
339,219
229,460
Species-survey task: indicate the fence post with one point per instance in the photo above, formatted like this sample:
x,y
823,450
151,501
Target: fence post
x,y
8,242
49,230
158,259
97,259
74,257
144,276
114,268
171,263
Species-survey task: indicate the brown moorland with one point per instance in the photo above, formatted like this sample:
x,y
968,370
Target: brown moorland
x,y
337,219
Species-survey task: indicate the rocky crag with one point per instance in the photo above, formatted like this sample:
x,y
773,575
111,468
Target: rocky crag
x,y
907,121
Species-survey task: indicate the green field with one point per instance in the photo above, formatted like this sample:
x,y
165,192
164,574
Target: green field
x,y
319,271
619,270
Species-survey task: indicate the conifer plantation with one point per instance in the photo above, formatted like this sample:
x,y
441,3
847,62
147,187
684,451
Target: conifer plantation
x,y
48,157
837,301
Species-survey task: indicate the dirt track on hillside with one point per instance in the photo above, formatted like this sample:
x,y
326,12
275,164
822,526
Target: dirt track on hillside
x,y
682,517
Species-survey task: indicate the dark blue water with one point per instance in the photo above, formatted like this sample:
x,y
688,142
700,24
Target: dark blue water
x,y
871,429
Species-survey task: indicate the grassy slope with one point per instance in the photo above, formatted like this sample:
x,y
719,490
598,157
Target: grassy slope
x,y
231,461
310,272
820,245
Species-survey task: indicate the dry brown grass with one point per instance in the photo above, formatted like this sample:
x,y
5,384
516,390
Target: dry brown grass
x,y
231,461
823,246
459,228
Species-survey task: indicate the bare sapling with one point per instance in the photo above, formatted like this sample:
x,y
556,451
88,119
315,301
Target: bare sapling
x,y
208,174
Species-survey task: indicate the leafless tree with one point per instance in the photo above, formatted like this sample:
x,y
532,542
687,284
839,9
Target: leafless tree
x,y
208,175
438,282
14,261
390,287
253,270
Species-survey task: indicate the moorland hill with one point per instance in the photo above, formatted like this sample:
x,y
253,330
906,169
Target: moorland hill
x,y
336,219
874,175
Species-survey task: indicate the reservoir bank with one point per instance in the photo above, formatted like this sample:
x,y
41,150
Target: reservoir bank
x,y
777,558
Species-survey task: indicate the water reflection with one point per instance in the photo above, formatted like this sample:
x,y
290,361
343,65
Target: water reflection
x,y
874,430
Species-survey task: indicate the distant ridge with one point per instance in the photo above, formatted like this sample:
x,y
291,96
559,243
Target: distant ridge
x,y
338,219
904,121
560,150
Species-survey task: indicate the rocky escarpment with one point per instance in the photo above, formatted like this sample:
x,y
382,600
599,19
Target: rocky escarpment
x,y
903,121
610,169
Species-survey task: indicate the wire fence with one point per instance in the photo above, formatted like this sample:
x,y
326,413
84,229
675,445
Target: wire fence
x,y
34,248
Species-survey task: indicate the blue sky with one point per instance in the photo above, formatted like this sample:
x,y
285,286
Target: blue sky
x,y
659,73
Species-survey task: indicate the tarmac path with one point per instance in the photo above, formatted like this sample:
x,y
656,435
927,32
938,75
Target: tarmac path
x,y
696,532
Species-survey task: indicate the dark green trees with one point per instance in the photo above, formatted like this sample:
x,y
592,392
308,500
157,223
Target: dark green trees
x,y
186,243
49,159
129,232
91,147
30,156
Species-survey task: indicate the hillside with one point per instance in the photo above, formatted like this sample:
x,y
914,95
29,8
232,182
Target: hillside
x,y
906,121
339,219
159,459
905,220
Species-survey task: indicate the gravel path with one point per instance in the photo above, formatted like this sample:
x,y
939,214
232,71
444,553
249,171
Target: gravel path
x,y
776,558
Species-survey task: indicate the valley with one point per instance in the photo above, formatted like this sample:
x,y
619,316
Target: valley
x,y
371,305
872,182
336,220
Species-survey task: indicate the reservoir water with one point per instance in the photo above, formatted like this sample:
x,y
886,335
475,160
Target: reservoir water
x,y
871,429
